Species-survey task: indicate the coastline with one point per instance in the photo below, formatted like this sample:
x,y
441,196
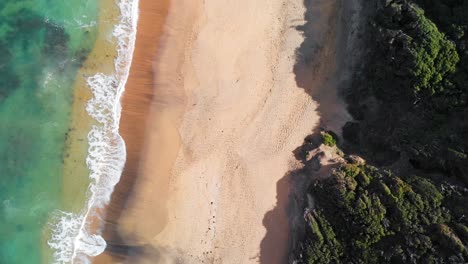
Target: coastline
x,y
218,99
162,140
101,59
76,229
76,173
136,110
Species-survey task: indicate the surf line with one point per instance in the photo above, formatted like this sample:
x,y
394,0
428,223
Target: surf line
x,y
73,238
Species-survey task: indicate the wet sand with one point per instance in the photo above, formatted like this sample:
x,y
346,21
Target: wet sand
x,y
136,108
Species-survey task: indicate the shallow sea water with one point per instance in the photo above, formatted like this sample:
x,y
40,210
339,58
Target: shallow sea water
x,y
43,43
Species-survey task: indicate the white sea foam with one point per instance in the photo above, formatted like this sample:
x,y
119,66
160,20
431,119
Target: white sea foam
x,y
73,239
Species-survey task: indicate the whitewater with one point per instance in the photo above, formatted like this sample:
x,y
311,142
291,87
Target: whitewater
x,y
75,238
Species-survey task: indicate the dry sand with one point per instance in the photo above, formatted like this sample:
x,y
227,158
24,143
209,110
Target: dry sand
x,y
227,113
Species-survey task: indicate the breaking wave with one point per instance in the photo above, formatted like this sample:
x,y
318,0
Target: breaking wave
x,y
75,237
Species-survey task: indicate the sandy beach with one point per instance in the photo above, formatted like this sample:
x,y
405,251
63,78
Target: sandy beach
x,y
210,139
136,106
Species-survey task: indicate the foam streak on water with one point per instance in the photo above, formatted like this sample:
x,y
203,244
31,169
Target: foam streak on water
x,y
73,238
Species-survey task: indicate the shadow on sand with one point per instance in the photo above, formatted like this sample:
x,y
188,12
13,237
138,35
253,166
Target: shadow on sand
x,y
319,71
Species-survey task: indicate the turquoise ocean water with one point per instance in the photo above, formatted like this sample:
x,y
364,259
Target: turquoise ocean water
x,y
43,43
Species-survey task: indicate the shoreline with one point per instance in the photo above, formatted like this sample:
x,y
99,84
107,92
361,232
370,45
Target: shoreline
x,y
136,107
76,173
101,59
76,231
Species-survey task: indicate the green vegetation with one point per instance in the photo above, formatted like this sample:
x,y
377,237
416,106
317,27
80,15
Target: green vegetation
x,y
328,139
410,109
419,54
411,98
434,56
364,215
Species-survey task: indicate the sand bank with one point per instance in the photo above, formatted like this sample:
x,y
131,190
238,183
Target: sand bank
x,y
227,113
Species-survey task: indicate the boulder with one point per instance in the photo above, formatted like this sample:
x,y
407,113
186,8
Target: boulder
x,y
356,160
